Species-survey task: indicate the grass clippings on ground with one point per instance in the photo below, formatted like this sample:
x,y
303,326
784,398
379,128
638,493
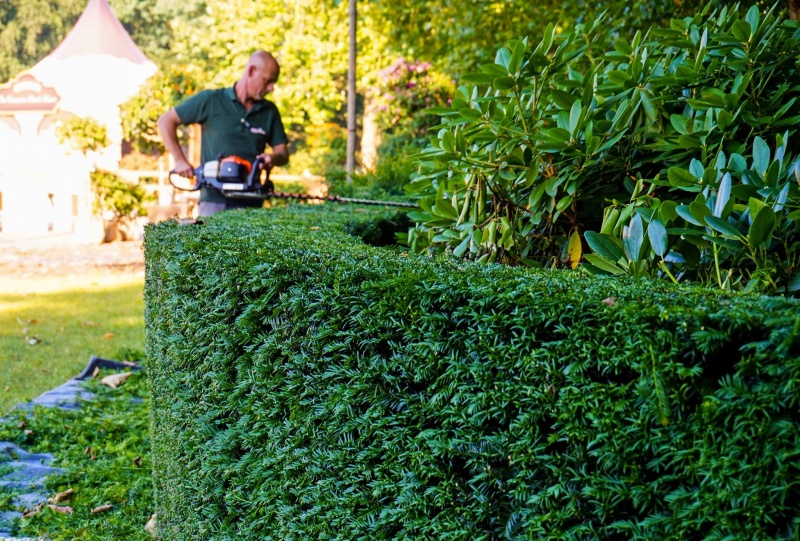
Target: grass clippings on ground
x,y
104,451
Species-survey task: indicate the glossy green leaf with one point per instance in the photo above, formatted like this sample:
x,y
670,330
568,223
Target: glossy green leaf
x,y
741,31
667,211
755,206
699,211
448,141
752,19
696,168
761,156
574,117
794,283
723,195
503,57
478,78
685,213
605,245
724,120
658,236
603,264
680,177
722,226
504,83
459,250
762,227
633,238
494,69
618,77
650,110
516,57
679,123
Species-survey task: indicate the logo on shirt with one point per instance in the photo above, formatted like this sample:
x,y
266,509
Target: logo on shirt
x,y
253,129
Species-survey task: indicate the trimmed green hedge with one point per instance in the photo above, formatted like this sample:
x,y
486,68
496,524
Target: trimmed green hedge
x,y
308,386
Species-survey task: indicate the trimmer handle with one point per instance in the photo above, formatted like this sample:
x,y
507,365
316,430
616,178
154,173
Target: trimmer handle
x,y
255,176
198,174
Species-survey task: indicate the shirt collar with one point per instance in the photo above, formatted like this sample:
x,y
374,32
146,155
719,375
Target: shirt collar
x,y
230,93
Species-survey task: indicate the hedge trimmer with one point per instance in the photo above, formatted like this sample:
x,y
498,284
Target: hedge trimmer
x,y
237,178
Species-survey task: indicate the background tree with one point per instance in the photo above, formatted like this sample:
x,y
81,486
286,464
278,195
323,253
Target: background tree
x,y
309,39
119,202
31,29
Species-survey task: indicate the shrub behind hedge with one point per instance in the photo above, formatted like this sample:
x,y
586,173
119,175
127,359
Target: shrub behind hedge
x,y
658,153
307,386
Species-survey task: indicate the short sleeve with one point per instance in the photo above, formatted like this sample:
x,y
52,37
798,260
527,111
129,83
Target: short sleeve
x,y
277,133
194,110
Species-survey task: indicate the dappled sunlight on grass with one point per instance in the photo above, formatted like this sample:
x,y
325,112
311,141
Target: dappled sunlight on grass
x,y
51,325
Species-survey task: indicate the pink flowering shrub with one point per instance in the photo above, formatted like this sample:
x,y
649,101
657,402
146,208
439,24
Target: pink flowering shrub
x,y
404,90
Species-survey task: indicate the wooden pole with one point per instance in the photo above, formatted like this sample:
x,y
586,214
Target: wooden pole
x,y
351,95
794,9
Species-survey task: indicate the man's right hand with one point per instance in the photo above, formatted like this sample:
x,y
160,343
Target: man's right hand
x,y
184,169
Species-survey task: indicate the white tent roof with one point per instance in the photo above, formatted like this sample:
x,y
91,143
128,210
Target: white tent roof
x,y
97,67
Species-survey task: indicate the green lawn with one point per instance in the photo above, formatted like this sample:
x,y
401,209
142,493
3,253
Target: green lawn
x,y
51,325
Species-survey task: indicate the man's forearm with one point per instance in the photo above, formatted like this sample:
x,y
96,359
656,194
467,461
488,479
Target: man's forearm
x,y
280,155
168,127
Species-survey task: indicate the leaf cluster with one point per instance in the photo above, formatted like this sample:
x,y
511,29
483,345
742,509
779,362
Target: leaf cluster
x,y
164,90
306,385
585,132
115,195
84,134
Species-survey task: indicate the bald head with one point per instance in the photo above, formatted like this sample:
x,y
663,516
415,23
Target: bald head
x,y
258,79
261,60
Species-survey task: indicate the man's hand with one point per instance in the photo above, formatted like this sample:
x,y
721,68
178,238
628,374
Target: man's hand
x,y
279,156
265,161
184,169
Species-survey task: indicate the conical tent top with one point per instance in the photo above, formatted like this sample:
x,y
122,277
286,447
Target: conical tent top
x,y
98,31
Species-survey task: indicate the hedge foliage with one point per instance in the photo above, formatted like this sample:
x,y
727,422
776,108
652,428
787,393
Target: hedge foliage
x,y
305,385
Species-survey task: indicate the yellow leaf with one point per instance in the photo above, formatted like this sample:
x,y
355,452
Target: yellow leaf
x,y
574,250
66,510
152,525
62,496
115,380
100,509
108,336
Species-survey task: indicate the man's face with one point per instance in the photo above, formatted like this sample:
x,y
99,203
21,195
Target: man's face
x,y
262,81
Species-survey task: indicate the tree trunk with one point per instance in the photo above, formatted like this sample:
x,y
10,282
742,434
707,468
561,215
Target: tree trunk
x,y
794,9
351,95
370,135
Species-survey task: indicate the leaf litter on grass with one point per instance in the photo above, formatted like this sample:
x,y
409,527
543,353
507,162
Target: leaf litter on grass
x,y
103,495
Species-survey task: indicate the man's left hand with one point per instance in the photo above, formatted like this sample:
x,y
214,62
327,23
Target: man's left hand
x,y
265,161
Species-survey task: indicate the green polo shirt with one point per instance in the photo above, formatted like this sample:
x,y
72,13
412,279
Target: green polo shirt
x,y
229,129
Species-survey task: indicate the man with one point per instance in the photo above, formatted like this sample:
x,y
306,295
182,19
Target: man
x,y
235,121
